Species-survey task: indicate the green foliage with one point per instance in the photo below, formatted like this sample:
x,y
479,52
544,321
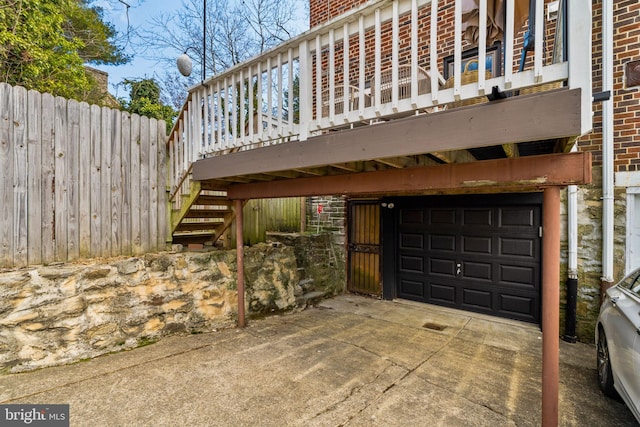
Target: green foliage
x,y
45,43
86,24
145,101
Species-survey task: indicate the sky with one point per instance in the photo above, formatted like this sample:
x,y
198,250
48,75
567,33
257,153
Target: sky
x,y
139,16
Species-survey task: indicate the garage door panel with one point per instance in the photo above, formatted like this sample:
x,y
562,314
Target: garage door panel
x,y
411,241
411,217
477,217
517,216
442,293
409,289
477,271
412,264
520,247
477,298
477,244
520,307
442,267
517,274
442,217
440,242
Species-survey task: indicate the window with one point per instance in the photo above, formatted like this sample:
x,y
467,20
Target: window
x,y
631,281
633,229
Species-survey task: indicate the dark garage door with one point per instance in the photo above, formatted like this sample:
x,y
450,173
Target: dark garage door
x,y
474,253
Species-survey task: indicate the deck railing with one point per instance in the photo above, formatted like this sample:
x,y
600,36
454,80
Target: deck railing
x,y
394,65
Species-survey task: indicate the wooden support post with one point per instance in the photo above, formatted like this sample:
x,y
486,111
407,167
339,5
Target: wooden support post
x,y
303,214
550,305
237,206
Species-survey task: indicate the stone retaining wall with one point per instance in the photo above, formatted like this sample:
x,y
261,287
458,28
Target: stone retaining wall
x,y
590,252
320,258
62,313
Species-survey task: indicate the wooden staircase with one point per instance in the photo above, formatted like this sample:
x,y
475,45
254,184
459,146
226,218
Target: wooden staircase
x,y
199,215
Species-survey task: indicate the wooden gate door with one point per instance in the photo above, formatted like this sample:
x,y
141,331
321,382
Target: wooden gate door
x,y
364,248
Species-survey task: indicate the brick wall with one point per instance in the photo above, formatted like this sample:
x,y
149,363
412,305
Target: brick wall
x,y
626,101
327,214
322,11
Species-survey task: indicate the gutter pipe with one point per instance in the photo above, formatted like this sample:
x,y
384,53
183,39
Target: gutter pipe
x,y
560,55
607,146
572,273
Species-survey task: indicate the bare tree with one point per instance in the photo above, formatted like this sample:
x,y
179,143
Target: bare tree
x,y
236,30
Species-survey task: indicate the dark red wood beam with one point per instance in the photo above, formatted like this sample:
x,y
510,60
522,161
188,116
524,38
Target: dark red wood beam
x,y
519,174
550,305
237,207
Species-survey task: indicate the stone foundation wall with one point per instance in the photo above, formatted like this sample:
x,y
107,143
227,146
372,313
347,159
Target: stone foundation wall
x,y
322,260
590,252
57,314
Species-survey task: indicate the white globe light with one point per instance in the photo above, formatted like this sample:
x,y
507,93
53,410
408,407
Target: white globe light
x,y
185,65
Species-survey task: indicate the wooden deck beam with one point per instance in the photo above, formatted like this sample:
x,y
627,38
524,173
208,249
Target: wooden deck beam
x,y
520,174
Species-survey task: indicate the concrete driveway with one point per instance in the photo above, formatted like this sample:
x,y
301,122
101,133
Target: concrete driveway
x,y
351,361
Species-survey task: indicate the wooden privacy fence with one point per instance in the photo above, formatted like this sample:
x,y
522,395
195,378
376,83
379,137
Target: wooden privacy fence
x,y
78,180
262,215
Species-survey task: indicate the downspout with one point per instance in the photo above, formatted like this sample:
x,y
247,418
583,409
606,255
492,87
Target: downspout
x,y
570,324
607,146
572,270
237,207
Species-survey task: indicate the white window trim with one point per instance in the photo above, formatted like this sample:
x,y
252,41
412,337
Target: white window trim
x,y
632,193
631,181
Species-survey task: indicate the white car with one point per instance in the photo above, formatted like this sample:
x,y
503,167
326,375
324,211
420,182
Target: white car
x,y
618,342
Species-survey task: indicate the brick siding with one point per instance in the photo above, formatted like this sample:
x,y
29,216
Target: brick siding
x,y
626,45
327,214
323,11
626,48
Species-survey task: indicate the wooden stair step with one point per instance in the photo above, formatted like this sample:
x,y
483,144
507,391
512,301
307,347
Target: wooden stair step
x,y
206,213
185,239
205,199
195,226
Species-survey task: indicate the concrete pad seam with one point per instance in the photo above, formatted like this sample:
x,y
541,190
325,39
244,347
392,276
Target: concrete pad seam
x,y
436,385
330,338
351,393
104,374
442,347
408,373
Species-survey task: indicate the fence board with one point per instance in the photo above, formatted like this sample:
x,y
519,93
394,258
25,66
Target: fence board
x,y
84,175
125,225
163,186
153,184
144,183
262,215
48,178
35,177
78,180
73,185
20,207
136,243
6,166
116,182
60,138
105,183
96,183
